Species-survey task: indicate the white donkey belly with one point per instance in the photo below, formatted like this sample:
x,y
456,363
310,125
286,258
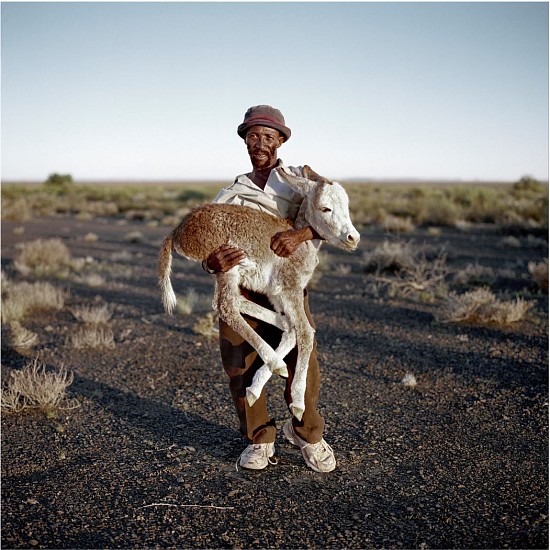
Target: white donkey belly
x,y
259,278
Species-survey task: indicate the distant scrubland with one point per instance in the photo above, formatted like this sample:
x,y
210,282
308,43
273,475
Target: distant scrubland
x,y
400,207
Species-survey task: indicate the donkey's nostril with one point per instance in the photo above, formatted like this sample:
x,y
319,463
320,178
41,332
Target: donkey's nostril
x,y
351,238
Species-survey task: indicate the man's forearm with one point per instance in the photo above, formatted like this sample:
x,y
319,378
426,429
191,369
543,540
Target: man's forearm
x,y
309,234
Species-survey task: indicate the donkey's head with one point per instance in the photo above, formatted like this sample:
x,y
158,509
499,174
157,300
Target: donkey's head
x,y
326,209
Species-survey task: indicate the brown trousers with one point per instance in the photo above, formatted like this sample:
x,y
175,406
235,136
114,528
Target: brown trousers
x,y
241,362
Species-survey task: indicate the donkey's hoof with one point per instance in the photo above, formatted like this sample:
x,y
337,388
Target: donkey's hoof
x,y
297,410
277,365
282,372
251,397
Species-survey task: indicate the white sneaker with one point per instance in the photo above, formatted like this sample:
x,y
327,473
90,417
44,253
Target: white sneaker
x,y
256,456
318,456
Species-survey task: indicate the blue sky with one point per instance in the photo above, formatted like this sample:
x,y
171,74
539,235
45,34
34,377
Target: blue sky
x,y
374,90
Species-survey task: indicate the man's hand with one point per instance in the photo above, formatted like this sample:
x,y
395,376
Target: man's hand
x,y
224,258
286,242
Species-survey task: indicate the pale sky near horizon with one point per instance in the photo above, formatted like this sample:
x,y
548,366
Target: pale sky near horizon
x,y
147,91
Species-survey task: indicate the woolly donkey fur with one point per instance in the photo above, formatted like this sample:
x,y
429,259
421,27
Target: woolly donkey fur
x,y
326,209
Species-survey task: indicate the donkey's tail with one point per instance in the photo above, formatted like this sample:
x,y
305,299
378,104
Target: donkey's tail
x,y
169,300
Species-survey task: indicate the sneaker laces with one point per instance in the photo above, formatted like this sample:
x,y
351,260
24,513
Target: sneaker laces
x,y
271,459
320,445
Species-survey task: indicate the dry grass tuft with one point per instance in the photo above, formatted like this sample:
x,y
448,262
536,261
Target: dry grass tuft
x,y
94,315
398,224
415,276
93,336
21,337
92,279
539,272
342,269
475,274
186,304
43,257
23,298
207,325
134,237
509,242
390,256
409,380
482,307
90,238
33,387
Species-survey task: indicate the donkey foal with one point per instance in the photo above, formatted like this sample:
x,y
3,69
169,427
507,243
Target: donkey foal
x,y
325,208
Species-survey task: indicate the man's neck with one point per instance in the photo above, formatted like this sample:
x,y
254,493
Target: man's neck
x,y
260,175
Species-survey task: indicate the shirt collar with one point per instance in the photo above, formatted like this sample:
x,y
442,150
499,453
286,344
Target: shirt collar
x,y
245,180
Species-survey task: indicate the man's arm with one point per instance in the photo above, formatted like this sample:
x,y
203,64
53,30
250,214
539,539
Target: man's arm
x,y
286,242
223,259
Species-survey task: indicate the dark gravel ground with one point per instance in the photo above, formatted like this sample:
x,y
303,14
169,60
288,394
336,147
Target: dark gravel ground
x,y
148,459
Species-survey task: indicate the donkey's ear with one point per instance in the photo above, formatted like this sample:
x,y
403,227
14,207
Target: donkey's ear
x,y
310,174
299,184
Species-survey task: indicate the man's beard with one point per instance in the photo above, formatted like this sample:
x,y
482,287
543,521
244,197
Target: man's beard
x,y
261,159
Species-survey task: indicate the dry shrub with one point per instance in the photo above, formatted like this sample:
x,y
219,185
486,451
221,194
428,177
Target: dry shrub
x,y
92,279
90,238
342,269
43,257
193,301
94,315
481,306
207,325
23,298
93,336
475,274
16,210
20,337
398,224
539,272
134,237
423,281
415,275
509,242
121,256
186,304
409,380
390,256
33,387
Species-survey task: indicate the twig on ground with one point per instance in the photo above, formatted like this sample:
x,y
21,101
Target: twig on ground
x,y
187,506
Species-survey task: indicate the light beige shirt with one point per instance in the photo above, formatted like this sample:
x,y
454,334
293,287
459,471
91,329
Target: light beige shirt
x,y
277,198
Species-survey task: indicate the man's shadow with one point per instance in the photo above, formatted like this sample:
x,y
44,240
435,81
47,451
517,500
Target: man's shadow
x,y
162,420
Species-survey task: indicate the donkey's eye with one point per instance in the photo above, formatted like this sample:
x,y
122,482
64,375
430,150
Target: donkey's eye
x,y
325,209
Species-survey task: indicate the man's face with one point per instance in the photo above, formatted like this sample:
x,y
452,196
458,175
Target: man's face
x,y
262,144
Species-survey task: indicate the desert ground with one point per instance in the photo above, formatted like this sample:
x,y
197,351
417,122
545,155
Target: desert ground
x,y
440,428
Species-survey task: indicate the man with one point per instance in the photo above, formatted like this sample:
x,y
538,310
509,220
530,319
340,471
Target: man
x,y
264,131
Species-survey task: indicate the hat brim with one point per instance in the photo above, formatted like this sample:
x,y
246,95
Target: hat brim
x,y
262,120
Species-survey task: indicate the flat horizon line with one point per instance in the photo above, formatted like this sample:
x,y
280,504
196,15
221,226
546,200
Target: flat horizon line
x,y
214,181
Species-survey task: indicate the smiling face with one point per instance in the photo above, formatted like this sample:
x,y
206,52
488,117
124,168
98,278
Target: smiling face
x,y
262,144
